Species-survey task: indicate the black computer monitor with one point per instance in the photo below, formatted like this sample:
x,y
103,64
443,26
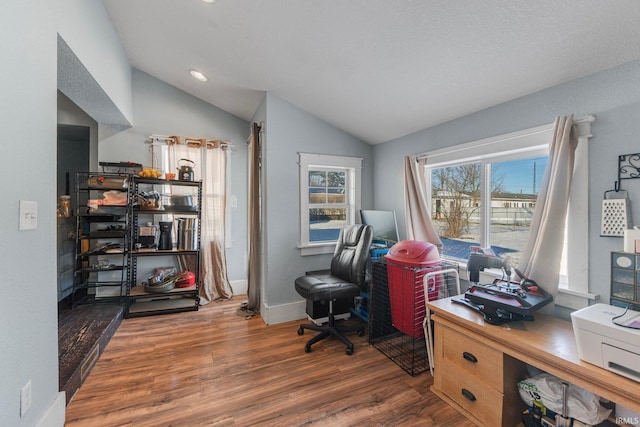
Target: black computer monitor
x,y
385,227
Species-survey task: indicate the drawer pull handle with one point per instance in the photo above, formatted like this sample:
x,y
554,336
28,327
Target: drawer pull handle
x,y
470,357
468,395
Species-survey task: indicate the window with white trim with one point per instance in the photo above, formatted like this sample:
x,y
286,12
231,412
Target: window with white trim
x,y
329,199
484,192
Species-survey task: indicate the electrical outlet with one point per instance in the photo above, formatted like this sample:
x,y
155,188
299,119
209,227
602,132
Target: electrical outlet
x,y
28,219
25,398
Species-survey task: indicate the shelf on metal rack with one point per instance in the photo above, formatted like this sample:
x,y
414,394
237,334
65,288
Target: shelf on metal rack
x,y
158,252
138,291
161,306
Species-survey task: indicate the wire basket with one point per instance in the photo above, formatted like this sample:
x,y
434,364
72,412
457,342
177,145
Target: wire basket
x,y
399,332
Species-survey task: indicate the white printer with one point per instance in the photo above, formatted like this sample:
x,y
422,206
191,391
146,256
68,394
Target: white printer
x,y
602,343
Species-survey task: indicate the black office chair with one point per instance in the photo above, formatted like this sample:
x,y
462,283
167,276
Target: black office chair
x,y
347,277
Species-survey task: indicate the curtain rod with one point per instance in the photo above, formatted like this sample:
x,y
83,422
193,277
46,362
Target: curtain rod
x,y
174,139
588,118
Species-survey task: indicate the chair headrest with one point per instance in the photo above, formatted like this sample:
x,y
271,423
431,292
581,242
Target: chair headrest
x,y
351,235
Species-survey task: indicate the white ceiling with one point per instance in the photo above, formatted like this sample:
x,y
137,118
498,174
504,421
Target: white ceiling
x,y
378,69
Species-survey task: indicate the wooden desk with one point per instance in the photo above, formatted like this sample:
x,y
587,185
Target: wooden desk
x,y
501,351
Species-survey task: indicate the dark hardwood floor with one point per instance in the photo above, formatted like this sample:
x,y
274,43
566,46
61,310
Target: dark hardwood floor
x,y
83,333
215,368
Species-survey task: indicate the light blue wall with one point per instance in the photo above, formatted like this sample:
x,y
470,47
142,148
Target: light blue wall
x,y
28,83
159,108
28,310
86,29
289,131
613,96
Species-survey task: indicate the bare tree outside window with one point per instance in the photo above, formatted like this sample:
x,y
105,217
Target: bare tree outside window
x,y
457,204
457,191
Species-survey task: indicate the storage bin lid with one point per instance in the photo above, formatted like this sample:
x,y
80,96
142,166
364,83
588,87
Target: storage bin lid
x,y
413,253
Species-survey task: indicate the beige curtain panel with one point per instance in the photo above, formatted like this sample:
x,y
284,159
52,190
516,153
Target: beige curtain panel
x,y
542,253
210,159
253,268
417,212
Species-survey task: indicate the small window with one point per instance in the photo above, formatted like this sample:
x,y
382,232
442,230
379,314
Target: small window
x,y
328,207
329,199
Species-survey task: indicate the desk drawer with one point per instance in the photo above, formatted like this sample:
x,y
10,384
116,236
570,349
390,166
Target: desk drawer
x,y
474,358
482,401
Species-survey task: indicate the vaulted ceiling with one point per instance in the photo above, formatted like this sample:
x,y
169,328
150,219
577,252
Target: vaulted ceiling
x,y
377,69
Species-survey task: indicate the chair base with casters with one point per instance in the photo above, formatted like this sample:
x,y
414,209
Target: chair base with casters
x,y
331,330
344,281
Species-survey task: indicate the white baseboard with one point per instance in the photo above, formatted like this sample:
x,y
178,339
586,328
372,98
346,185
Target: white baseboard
x,y
240,287
283,312
292,311
54,416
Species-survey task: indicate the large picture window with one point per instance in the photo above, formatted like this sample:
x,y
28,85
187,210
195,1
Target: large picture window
x,y
484,193
462,204
329,199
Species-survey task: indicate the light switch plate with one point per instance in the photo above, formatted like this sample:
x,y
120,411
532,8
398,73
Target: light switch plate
x,y
25,398
28,215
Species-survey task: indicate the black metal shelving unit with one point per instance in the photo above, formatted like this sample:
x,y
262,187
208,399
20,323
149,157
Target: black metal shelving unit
x,y
101,238
143,260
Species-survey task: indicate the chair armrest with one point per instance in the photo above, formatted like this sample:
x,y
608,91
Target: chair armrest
x,y
317,272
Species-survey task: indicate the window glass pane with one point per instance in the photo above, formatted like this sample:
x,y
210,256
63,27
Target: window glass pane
x,y
317,178
514,192
325,223
317,187
336,185
564,267
455,203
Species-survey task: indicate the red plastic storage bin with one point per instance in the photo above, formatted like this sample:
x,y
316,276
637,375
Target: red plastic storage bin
x,y
408,262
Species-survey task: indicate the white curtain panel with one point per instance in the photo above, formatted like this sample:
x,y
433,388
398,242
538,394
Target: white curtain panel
x,y
540,260
417,212
210,167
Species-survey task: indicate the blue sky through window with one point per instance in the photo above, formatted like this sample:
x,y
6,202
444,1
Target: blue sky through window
x,y
518,175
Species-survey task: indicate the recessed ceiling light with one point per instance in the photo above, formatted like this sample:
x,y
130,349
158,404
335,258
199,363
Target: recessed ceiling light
x,y
209,1
198,75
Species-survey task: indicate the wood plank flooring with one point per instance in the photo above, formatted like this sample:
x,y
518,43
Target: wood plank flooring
x,y
215,368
